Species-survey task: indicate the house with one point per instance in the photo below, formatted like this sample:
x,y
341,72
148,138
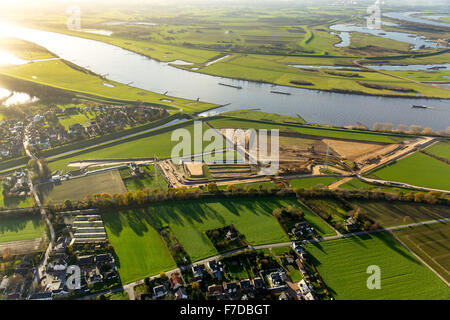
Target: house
x,y
198,272
181,294
94,276
57,288
4,285
304,287
258,283
38,118
309,296
285,296
297,247
176,281
230,287
213,266
159,292
105,258
289,259
276,279
351,224
215,290
75,128
84,261
231,234
246,285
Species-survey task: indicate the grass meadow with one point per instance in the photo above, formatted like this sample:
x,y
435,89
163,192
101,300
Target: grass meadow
x,y
392,213
418,169
343,263
21,228
431,244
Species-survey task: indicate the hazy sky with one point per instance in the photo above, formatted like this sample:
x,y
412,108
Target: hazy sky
x,y
49,3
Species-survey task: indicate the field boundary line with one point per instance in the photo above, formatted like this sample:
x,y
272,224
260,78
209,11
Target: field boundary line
x,y
419,258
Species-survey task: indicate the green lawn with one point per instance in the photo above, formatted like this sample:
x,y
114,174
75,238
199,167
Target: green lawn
x,y
311,182
140,250
343,263
420,170
23,228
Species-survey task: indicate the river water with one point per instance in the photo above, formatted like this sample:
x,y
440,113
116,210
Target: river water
x,y
314,106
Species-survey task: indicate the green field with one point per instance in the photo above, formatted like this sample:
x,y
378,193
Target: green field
x,y
311,182
58,74
133,235
306,130
316,222
358,184
440,149
159,145
189,220
392,213
77,188
140,250
431,244
343,263
418,169
23,228
148,181
24,50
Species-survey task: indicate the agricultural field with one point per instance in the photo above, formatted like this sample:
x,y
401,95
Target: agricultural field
x,y
139,249
418,169
21,228
311,182
431,244
334,209
343,263
190,219
141,146
440,149
389,214
77,188
225,123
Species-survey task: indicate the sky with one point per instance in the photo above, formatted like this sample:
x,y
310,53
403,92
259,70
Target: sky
x,y
27,4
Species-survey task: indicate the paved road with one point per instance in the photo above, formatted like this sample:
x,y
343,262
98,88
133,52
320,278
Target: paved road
x,y
41,266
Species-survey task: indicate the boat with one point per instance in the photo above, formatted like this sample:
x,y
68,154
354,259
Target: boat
x,y
230,85
419,106
280,92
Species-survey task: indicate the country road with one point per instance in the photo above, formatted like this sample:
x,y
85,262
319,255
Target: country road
x,y
130,287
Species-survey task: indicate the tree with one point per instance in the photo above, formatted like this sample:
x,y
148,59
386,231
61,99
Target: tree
x,y
68,204
212,187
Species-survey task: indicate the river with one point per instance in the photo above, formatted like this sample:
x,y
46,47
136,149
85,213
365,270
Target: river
x,y
314,106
